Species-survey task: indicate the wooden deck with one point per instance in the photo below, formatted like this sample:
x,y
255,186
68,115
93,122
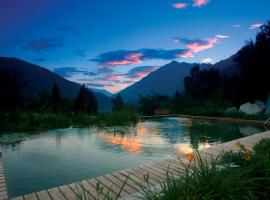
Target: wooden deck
x,y
3,188
134,177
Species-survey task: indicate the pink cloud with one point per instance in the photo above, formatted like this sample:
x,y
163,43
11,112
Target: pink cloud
x,y
133,58
199,3
197,45
143,74
179,5
186,54
254,26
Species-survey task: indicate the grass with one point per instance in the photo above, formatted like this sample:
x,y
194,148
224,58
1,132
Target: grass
x,y
33,121
101,192
116,118
244,174
215,179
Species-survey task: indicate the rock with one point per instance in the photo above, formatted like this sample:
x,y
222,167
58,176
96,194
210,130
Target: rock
x,y
250,109
260,104
231,110
267,106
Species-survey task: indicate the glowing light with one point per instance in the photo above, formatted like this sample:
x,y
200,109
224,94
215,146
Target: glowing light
x,y
180,5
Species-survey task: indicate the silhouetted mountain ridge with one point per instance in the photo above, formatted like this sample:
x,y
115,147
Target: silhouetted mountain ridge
x,y
41,79
169,78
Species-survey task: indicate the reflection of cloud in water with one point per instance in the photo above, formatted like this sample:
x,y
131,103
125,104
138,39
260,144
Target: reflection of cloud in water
x,y
187,149
132,145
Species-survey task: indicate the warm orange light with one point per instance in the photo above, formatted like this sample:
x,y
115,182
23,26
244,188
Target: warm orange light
x,y
130,144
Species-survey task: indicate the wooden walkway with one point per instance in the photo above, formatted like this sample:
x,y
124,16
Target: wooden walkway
x,y
3,188
157,171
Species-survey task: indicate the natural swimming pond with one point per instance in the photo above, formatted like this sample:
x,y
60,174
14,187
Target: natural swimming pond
x,y
57,157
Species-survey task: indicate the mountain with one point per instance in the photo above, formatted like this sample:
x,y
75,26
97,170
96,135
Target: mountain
x,y
105,92
166,80
228,66
169,78
40,79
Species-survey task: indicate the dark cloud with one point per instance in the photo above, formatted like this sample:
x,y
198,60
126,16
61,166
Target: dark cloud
x,y
44,44
139,72
69,72
124,57
105,70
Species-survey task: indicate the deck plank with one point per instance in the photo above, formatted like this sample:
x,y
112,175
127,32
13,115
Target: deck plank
x,y
56,194
31,196
44,195
120,183
67,192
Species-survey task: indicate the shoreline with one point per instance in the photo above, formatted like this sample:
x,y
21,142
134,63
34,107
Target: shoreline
x,y
220,119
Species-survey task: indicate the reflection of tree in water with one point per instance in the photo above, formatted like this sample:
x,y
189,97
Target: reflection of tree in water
x,y
171,130
12,141
203,131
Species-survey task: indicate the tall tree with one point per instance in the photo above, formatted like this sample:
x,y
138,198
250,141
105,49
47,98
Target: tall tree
x,y
55,99
201,83
254,59
85,101
117,103
12,87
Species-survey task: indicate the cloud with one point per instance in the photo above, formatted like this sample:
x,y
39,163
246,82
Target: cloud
x,y
255,26
140,72
125,57
199,3
179,5
68,72
197,45
207,60
44,44
237,26
105,70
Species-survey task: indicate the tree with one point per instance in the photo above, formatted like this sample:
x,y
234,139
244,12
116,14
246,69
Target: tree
x,y
55,99
201,83
12,87
85,101
117,103
254,60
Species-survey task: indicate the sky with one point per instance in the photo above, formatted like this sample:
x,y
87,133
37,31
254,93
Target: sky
x,y
110,44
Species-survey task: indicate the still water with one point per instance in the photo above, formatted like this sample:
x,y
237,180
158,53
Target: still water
x,y
57,157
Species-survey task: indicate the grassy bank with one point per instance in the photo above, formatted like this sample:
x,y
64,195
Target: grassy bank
x,y
244,174
32,121
234,175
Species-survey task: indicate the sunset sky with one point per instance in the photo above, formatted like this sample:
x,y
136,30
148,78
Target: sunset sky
x,y
110,44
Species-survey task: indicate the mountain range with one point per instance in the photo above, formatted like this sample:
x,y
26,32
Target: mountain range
x,y
166,80
170,78
40,79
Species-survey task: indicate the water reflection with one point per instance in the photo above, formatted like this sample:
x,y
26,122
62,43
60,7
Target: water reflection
x,y
62,156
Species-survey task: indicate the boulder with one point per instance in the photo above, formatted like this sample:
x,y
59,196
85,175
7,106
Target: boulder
x,y
260,104
250,109
231,110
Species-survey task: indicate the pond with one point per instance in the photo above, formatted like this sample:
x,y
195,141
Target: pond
x,y
57,157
